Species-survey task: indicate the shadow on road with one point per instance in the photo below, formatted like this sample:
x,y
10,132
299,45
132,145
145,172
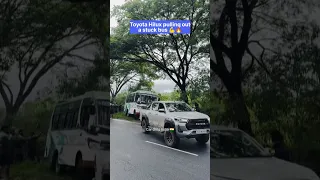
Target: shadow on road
x,y
189,145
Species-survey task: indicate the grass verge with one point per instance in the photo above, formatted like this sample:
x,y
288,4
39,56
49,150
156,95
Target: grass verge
x,y
34,171
121,115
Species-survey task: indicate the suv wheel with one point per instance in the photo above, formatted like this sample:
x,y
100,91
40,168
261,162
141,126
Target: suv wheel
x,y
203,139
171,139
144,126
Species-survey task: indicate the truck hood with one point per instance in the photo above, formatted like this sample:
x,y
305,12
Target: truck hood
x,y
265,168
189,115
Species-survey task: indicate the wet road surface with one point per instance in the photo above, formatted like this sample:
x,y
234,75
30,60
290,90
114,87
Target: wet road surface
x,y
138,156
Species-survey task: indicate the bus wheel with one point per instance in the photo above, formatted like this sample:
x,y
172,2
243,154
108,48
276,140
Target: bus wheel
x,y
134,114
58,168
79,166
81,172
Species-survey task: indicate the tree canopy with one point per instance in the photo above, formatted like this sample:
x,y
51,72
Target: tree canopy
x,y
38,35
175,55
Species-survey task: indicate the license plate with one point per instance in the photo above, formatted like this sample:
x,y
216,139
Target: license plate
x,y
201,131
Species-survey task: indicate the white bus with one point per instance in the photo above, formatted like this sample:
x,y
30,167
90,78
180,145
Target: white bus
x,y
79,128
137,100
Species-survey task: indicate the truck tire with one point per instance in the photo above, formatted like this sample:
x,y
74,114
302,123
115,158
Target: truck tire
x,y
202,139
171,139
144,126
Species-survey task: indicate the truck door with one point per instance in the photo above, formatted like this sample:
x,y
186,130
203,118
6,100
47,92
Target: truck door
x,y
160,117
152,114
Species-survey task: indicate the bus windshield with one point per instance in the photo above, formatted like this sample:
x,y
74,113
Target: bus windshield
x,y
145,98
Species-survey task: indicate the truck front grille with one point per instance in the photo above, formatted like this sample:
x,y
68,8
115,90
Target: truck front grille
x,y
197,124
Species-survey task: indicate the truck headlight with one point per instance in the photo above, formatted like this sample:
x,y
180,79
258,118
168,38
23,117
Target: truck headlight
x,y
182,120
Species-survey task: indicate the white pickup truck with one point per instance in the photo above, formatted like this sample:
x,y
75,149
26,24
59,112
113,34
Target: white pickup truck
x,y
175,119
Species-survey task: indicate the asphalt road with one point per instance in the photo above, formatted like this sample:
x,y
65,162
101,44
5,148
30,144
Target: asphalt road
x,y
138,156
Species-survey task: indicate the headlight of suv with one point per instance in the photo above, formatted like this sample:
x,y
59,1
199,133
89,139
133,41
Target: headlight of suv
x,y
182,120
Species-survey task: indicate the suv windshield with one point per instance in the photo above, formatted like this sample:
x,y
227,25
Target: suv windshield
x,y
178,107
234,144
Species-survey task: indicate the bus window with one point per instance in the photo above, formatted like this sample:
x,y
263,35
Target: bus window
x,y
103,112
61,120
75,119
55,122
85,115
134,97
69,120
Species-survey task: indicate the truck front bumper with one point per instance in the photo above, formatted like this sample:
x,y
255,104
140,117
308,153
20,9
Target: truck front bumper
x,y
183,132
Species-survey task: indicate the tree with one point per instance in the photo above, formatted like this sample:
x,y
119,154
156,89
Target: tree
x,y
175,55
199,86
142,84
238,28
34,36
121,98
94,78
125,72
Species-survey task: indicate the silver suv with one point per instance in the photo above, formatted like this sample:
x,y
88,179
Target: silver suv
x,y
175,119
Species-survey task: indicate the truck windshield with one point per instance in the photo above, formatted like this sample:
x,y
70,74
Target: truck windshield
x,y
178,107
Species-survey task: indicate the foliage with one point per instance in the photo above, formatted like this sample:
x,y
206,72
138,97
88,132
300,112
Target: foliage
x,y
246,33
36,36
33,171
126,72
175,55
121,98
121,115
173,96
35,116
96,78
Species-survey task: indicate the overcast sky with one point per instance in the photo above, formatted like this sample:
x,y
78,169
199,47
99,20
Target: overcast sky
x,y
160,86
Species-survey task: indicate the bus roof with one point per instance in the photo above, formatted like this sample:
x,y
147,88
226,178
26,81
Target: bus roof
x,y
89,94
144,92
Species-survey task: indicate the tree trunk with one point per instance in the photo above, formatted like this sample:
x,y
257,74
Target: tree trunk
x,y
113,96
240,113
10,115
183,95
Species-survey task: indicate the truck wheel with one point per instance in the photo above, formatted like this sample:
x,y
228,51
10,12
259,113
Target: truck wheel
x,y
202,139
171,139
144,126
